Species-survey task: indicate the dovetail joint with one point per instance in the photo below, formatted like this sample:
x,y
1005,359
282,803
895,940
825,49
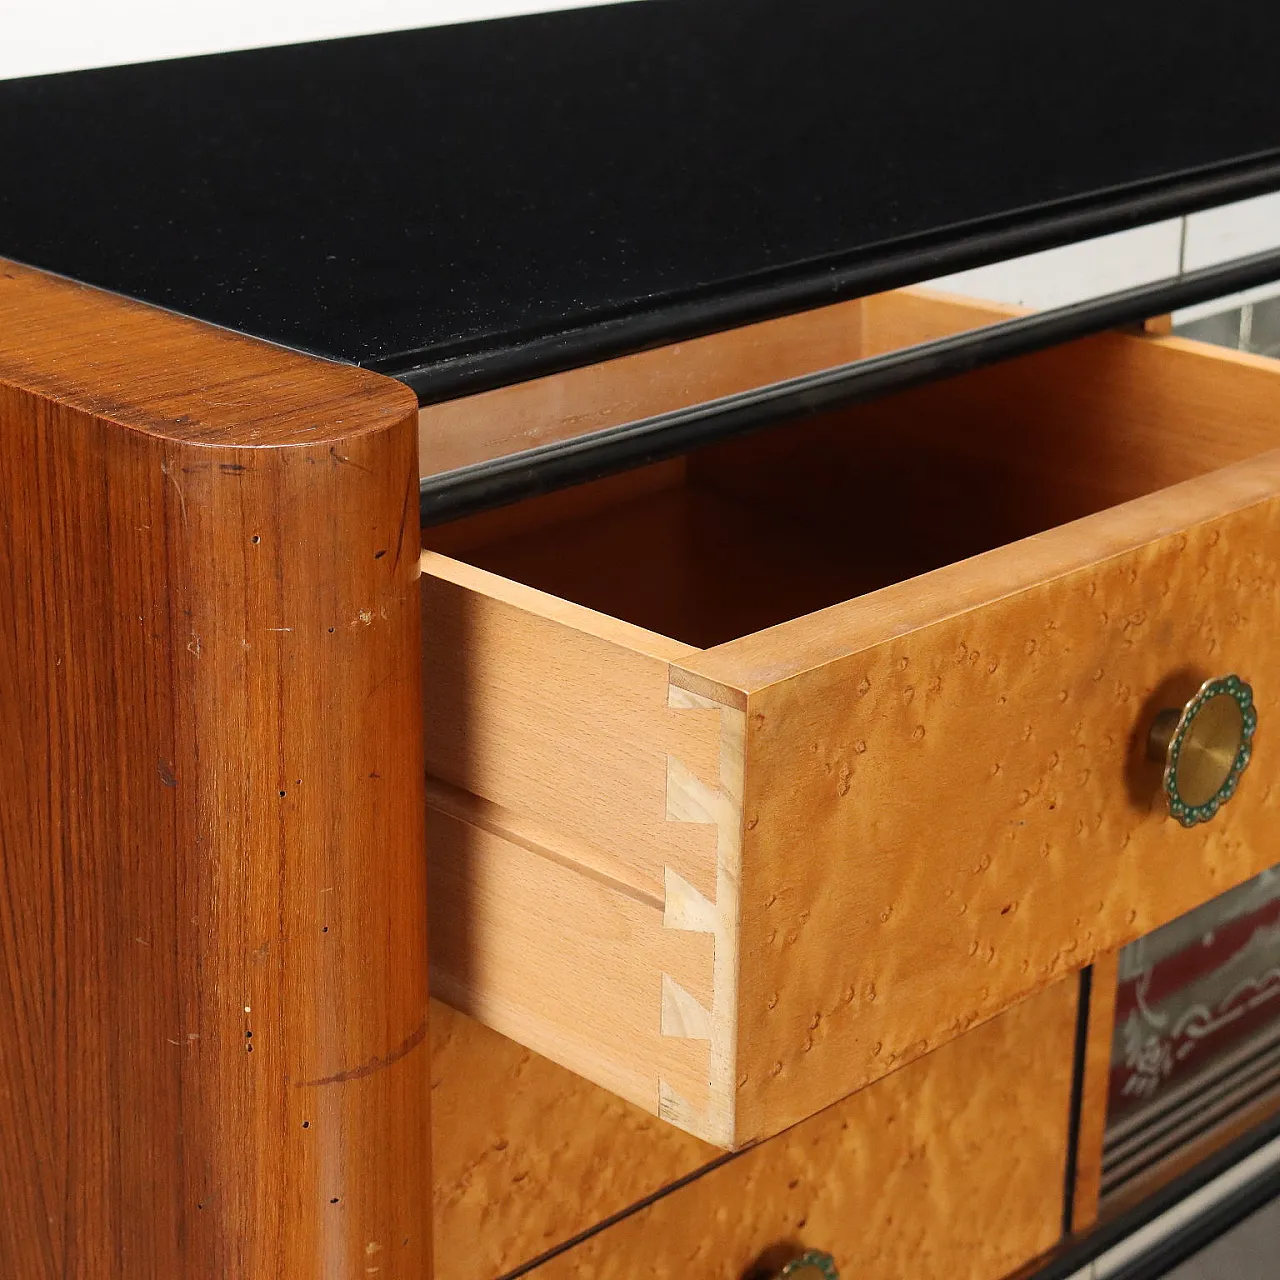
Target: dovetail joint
x,y
690,799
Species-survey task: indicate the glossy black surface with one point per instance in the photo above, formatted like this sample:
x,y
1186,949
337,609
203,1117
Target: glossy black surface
x,y
474,203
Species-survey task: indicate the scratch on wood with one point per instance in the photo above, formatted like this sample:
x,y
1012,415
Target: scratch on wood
x,y
375,1064
409,489
177,488
345,461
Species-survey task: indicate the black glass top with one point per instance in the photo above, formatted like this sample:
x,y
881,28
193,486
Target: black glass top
x,y
465,205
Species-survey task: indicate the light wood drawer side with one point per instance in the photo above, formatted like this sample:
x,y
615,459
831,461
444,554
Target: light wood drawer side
x,y
584,837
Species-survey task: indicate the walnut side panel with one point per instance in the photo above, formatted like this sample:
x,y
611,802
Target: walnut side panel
x,y
212,905
950,1169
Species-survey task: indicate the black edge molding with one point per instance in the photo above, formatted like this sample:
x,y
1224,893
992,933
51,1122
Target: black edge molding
x,y
1194,1232
867,271
484,485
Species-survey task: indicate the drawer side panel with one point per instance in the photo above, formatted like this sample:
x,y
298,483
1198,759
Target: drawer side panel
x,y
584,837
560,725
563,964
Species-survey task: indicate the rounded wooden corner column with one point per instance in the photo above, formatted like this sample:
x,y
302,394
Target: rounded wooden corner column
x,y
213,968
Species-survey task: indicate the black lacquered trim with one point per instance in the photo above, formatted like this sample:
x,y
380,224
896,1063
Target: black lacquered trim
x,y
439,374
1194,1235
1084,999
557,465
1203,1231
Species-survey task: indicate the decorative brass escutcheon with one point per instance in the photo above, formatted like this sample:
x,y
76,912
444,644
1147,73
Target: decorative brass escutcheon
x,y
811,1266
1204,748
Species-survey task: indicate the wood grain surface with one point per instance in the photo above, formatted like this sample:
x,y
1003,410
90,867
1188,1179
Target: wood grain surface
x,y
949,1169
564,962
212,910
926,478
583,843
702,566
1094,1090
972,792
524,698
564,405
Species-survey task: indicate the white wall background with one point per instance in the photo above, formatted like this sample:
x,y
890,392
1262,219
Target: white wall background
x,y
41,36
1141,256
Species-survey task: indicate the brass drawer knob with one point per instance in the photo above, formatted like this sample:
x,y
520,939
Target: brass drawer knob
x,y
1204,748
811,1266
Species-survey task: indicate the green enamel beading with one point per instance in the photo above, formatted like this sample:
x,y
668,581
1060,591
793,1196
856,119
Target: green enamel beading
x,y
1187,813
812,1264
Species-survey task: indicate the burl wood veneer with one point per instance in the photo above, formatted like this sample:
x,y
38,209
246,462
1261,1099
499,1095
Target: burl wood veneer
x,y
213,981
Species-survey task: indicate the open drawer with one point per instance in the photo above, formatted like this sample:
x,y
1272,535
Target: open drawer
x,y
757,774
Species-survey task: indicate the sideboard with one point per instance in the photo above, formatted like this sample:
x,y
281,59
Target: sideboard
x,y
567,716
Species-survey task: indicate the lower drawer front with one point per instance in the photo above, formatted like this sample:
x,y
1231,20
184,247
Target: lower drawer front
x,y
526,1155
951,1169
749,787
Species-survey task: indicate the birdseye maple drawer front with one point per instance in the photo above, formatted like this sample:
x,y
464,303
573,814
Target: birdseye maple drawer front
x,y
757,774
951,1169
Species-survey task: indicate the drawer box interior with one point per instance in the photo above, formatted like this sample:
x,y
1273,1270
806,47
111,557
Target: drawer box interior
x,y
760,772
738,538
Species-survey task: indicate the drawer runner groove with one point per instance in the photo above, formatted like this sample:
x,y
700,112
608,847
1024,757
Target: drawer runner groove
x,y
559,846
